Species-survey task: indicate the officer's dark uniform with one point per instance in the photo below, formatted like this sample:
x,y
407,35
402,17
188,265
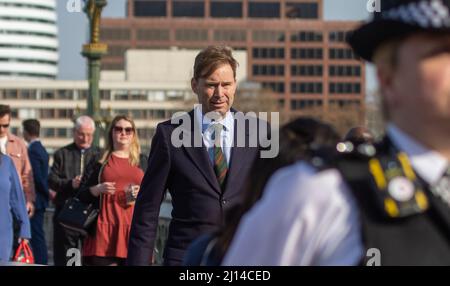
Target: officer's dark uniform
x,y
400,214
403,217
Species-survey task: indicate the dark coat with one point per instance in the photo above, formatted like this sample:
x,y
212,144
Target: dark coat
x,y
39,164
66,166
198,202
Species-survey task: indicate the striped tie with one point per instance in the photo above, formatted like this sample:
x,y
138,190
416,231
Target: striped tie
x,y
220,162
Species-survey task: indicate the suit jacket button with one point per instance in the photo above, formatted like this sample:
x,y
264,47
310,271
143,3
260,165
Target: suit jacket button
x,y
224,202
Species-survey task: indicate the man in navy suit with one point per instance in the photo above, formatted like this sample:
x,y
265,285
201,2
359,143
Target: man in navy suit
x,y
39,164
198,159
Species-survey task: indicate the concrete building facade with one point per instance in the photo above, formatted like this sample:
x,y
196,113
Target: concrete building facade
x,y
291,49
148,102
28,40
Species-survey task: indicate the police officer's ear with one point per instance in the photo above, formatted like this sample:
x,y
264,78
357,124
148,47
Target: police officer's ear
x,y
386,83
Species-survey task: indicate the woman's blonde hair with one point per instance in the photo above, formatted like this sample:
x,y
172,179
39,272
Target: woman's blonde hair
x,y
135,148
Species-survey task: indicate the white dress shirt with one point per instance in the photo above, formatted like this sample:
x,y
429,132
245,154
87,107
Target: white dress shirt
x,y
207,127
310,218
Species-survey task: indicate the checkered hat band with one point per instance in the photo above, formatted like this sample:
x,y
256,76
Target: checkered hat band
x,y
425,13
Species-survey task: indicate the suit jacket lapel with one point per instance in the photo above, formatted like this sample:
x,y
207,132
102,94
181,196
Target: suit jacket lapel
x,y
238,156
199,156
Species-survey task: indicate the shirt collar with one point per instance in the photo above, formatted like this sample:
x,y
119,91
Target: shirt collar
x,y
205,122
33,141
429,164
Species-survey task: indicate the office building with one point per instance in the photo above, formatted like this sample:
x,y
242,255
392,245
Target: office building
x,y
291,49
28,40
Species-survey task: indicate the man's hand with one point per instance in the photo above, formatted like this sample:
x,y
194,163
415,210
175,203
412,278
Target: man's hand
x,y
30,209
76,182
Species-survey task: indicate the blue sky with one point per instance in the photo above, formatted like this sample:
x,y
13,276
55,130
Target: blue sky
x,y
73,31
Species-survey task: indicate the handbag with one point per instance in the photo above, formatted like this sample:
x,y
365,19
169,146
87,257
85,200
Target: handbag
x,y
78,216
24,253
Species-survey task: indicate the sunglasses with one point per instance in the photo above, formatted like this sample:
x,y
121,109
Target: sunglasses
x,y
128,130
4,126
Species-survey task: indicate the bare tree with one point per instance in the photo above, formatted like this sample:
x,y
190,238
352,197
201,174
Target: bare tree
x,y
251,97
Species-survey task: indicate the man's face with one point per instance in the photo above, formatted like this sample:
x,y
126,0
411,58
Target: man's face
x,y
216,92
4,125
419,92
83,136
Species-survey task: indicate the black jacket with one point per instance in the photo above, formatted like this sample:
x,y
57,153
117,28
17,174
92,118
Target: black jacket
x,y
66,166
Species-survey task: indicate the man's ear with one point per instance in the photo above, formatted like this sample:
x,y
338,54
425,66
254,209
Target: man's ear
x,y
194,85
386,84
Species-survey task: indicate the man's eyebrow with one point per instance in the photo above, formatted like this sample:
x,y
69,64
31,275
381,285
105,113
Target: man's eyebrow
x,y
217,82
438,49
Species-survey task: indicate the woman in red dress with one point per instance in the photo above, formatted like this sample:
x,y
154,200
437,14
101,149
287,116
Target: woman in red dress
x,y
114,183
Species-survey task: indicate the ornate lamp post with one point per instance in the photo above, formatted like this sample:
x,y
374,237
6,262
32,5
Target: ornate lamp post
x,y
94,51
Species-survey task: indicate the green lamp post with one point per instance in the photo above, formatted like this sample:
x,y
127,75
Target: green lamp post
x,y
94,51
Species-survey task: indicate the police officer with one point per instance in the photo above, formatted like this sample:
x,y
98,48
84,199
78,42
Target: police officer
x,y
387,204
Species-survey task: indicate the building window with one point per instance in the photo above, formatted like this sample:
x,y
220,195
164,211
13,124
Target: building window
x,y
268,53
138,95
48,132
188,9
152,35
121,95
10,94
345,88
64,113
300,104
149,8
230,35
63,94
306,87
268,70
306,53
47,113
82,94
62,132
105,94
342,71
302,10
274,86
225,9
307,36
28,94
191,35
146,133
345,103
116,51
340,54
306,70
264,9
48,94
115,34
268,36
337,36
